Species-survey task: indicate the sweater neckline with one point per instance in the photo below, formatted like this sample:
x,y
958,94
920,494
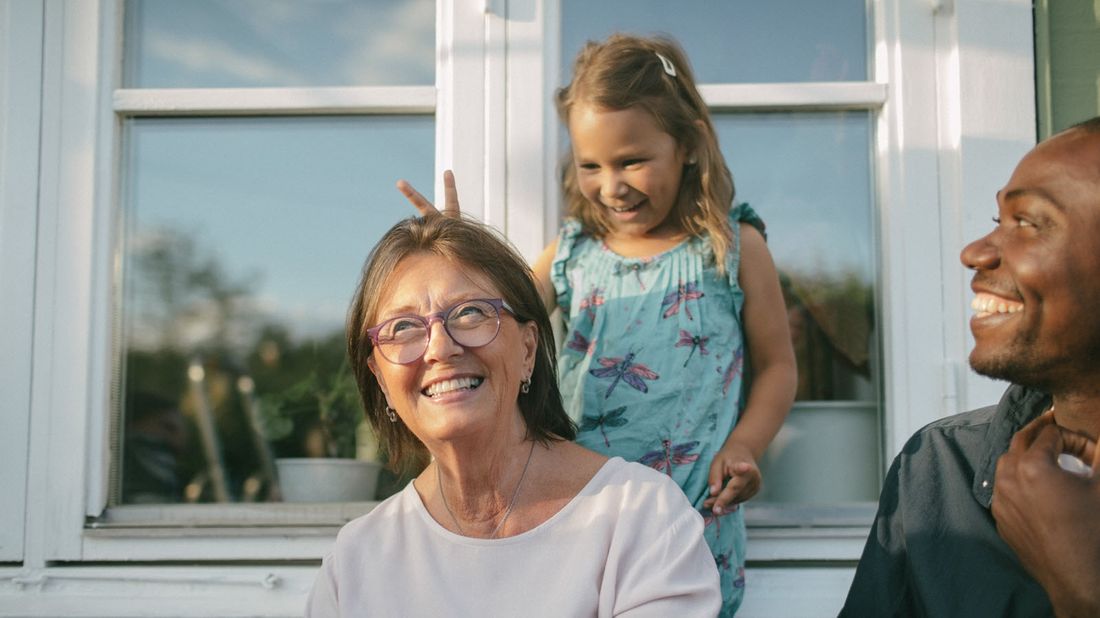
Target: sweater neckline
x,y
608,468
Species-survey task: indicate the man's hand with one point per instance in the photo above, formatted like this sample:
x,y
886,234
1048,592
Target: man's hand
x,y
424,206
736,463
1051,517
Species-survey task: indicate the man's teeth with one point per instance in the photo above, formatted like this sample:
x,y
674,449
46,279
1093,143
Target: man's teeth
x,y
984,303
447,386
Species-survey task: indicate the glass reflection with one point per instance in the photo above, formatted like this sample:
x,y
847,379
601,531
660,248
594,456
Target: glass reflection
x,y
242,241
809,177
278,43
736,41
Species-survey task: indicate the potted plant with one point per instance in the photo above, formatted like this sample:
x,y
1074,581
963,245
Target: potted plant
x,y
322,415
828,449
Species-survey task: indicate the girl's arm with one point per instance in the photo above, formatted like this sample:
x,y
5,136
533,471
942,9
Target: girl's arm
x,y
774,377
541,268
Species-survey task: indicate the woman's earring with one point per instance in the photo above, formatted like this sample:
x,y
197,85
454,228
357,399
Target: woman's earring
x,y
525,385
390,412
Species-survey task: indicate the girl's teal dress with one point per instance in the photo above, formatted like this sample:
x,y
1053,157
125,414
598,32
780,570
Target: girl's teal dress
x,y
653,364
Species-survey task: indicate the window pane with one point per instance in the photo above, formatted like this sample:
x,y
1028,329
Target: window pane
x,y
242,243
279,43
809,177
737,41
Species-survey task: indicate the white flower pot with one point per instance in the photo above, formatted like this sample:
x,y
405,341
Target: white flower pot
x,y
826,453
327,480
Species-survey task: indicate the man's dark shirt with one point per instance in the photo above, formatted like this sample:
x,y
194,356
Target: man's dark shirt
x,y
934,548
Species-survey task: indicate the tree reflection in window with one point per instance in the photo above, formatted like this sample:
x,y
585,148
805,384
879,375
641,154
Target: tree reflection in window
x,y
215,387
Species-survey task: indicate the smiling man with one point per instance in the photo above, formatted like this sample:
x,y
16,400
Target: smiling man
x,y
993,512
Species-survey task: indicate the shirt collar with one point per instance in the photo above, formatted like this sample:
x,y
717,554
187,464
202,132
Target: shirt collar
x,y
1018,406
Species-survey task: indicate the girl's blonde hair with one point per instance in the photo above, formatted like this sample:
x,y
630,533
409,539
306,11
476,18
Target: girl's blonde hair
x,y
627,71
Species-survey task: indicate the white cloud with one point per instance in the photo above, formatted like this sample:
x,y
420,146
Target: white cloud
x,y
206,56
393,47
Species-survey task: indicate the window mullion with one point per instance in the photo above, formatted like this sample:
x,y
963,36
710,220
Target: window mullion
x,y
271,101
460,118
797,96
20,118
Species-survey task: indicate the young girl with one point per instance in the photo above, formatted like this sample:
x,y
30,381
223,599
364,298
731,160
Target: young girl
x,y
667,291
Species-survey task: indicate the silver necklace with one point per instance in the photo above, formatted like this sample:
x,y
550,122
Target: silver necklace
x,y
507,511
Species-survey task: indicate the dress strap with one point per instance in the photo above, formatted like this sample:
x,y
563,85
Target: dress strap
x,y
570,234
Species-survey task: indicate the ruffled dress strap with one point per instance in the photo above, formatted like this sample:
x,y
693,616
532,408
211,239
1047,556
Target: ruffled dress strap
x,y
740,213
569,236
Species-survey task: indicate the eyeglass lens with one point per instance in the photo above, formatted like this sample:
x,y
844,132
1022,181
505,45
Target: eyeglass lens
x,y
470,324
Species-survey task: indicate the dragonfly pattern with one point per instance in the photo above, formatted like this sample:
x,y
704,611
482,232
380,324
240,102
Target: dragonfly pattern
x,y
710,518
722,561
625,369
593,299
739,581
695,341
611,418
580,343
670,455
732,370
623,268
684,292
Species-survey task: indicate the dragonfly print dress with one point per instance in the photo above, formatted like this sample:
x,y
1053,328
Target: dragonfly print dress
x,y
652,364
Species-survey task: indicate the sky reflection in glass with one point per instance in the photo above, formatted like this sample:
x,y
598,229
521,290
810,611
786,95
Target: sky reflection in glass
x,y
737,41
290,206
279,43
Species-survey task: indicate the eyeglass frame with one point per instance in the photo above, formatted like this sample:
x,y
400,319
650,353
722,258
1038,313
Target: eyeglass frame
x,y
440,316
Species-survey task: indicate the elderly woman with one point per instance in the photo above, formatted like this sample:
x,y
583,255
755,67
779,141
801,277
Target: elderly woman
x,y
454,356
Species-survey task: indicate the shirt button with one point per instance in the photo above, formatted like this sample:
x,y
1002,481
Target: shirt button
x,y
985,483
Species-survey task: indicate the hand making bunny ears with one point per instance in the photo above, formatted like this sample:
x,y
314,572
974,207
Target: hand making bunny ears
x,y
424,206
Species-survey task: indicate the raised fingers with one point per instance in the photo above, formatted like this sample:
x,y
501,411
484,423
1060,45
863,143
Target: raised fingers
x,y
1027,435
450,194
422,204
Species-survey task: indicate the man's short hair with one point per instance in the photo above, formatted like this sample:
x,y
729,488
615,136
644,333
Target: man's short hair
x,y
1092,125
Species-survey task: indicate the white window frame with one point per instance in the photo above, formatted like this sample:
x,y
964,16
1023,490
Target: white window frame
x,y
916,59
957,115
829,533
74,306
20,72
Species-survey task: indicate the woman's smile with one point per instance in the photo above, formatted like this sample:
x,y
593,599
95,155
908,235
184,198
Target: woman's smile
x,y
452,389
451,385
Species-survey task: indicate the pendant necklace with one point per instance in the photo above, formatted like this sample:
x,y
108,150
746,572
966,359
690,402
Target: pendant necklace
x,y
507,511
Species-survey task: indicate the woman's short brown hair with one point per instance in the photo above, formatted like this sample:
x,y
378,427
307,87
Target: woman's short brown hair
x,y
481,249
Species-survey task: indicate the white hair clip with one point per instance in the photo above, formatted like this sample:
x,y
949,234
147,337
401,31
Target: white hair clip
x,y
670,69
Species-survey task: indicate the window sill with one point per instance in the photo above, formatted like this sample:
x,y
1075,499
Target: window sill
x,y
212,532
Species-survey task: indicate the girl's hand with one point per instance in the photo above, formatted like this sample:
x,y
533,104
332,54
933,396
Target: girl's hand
x,y
424,206
736,463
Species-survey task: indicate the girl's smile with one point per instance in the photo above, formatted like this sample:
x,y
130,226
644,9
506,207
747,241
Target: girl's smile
x,y
630,167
